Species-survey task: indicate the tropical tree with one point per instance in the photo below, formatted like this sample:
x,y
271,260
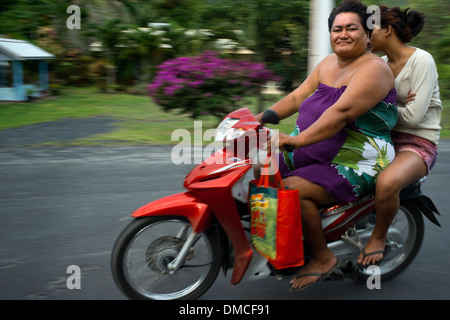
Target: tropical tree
x,y
276,31
435,37
147,45
111,37
21,18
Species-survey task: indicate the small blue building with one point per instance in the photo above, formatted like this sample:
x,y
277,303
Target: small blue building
x,y
12,55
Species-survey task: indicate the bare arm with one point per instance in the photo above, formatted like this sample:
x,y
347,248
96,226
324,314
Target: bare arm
x,y
289,105
368,86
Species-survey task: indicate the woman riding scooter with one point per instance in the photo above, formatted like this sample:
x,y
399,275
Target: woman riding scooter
x,y
346,110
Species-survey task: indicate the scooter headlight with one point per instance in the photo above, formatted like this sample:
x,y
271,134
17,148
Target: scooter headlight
x,y
226,132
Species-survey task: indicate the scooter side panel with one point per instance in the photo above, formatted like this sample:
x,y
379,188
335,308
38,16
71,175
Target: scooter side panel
x,y
181,204
229,219
337,219
213,182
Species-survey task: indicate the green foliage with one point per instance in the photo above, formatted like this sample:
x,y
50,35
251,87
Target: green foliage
x,y
276,31
21,18
435,37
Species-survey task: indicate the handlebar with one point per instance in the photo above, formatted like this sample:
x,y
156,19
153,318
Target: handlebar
x,y
270,116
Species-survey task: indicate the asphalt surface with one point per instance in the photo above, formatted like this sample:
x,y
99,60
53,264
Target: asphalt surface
x,y
63,206
63,130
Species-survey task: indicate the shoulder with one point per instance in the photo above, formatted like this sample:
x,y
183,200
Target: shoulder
x,y
372,77
374,61
374,67
419,53
323,69
421,66
326,63
422,57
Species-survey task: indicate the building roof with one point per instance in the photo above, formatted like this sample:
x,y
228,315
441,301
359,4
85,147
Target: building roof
x,y
12,50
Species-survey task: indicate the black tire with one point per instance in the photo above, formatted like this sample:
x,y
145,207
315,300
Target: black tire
x,y
397,260
153,242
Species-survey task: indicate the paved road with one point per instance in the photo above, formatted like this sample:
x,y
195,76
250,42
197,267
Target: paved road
x,y
66,206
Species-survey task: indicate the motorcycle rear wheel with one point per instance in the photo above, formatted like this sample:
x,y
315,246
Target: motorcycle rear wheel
x,y
405,236
144,250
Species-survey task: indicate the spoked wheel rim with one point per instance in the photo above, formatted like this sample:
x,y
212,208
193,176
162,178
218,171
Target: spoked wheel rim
x,y
150,251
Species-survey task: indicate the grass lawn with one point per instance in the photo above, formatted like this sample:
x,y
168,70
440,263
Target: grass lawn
x,y
141,121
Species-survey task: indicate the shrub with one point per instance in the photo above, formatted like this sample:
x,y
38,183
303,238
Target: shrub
x,y
206,84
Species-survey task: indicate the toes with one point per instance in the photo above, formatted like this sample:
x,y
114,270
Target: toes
x,y
360,259
303,281
372,259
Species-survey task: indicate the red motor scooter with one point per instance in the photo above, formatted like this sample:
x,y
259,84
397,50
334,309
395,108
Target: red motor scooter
x,y
175,247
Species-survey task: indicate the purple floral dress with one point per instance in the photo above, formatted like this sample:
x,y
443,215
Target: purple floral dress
x,y
347,164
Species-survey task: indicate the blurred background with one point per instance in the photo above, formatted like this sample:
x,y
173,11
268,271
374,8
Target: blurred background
x,y
116,47
73,79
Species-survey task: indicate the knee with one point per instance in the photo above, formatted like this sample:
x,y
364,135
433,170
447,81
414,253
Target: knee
x,y
309,209
294,183
387,187
291,183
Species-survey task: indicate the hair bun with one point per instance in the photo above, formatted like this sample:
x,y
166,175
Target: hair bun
x,y
415,20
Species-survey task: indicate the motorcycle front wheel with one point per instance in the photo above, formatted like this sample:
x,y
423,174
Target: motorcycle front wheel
x,y
404,239
142,256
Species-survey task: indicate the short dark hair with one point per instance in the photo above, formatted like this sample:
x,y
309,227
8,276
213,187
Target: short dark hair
x,y
406,24
354,6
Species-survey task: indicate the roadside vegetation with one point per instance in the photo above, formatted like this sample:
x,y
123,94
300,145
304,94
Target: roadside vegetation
x,y
104,69
140,121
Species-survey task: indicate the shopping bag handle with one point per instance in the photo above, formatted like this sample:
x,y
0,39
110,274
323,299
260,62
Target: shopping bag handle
x,y
264,179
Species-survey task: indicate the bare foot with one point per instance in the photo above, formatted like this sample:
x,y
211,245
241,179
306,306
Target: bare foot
x,y
373,252
314,271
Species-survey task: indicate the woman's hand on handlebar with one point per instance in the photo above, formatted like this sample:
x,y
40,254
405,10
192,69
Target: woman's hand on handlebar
x,y
283,142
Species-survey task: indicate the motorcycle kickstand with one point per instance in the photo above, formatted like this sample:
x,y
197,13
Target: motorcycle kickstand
x,y
356,243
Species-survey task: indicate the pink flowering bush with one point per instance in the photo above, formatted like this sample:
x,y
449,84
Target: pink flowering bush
x,y
206,84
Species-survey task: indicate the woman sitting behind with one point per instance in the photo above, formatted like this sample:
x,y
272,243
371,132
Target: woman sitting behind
x,y
417,132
